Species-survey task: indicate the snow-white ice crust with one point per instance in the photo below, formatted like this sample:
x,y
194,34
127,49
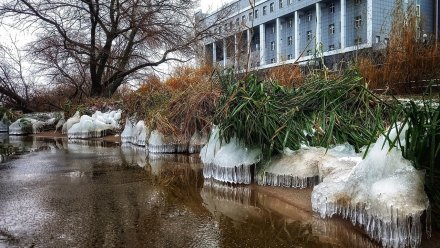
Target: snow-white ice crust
x,y
383,193
229,162
136,134
98,125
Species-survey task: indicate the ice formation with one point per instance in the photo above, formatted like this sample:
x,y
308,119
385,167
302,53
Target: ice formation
x,y
99,125
24,126
159,143
197,141
307,166
4,124
229,162
110,118
71,121
135,134
297,169
88,127
383,193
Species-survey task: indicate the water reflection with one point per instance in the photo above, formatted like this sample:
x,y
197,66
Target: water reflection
x,y
87,193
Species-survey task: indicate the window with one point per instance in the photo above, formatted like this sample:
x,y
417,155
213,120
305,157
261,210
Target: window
x,y
272,60
309,16
309,35
358,22
289,57
332,8
250,16
231,25
290,22
289,2
226,27
272,45
256,14
377,39
331,47
289,40
418,10
309,52
358,41
271,7
280,4
273,28
243,19
331,28
386,40
237,21
264,10
357,1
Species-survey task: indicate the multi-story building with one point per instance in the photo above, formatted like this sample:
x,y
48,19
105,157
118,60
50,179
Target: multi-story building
x,y
268,33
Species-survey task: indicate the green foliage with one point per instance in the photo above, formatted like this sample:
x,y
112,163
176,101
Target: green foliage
x,y
257,112
320,112
422,143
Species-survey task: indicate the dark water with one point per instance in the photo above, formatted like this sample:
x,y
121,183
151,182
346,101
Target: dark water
x,y
92,194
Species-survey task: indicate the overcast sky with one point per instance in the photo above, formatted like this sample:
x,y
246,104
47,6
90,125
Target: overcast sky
x,y
212,5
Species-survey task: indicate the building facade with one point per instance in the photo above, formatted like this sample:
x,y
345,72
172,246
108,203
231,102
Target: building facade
x,y
274,32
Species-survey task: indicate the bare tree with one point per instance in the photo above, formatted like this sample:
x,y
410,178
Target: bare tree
x,y
15,89
102,44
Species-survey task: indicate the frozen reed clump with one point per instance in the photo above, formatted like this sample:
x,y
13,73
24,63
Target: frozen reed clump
x,y
4,124
307,166
296,169
231,161
98,125
383,193
197,141
136,134
70,122
160,143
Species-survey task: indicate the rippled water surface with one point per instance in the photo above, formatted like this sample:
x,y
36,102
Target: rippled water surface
x,y
92,194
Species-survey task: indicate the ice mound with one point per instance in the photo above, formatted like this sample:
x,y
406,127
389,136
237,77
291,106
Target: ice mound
x,y
98,125
27,125
159,143
110,118
4,124
229,162
197,141
89,127
307,166
70,122
135,134
383,193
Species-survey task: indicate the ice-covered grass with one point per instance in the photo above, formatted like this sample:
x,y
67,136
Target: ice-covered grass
x,y
306,166
383,193
98,125
26,125
136,134
229,161
4,124
70,122
160,143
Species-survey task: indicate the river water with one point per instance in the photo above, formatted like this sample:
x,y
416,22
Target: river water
x,y
95,194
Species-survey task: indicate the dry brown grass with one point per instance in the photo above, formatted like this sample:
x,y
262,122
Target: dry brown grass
x,y
288,75
180,105
410,60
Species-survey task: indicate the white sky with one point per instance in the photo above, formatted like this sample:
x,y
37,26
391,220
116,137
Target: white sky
x,y
212,5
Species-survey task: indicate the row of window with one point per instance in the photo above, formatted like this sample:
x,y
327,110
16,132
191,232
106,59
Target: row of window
x,y
357,41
